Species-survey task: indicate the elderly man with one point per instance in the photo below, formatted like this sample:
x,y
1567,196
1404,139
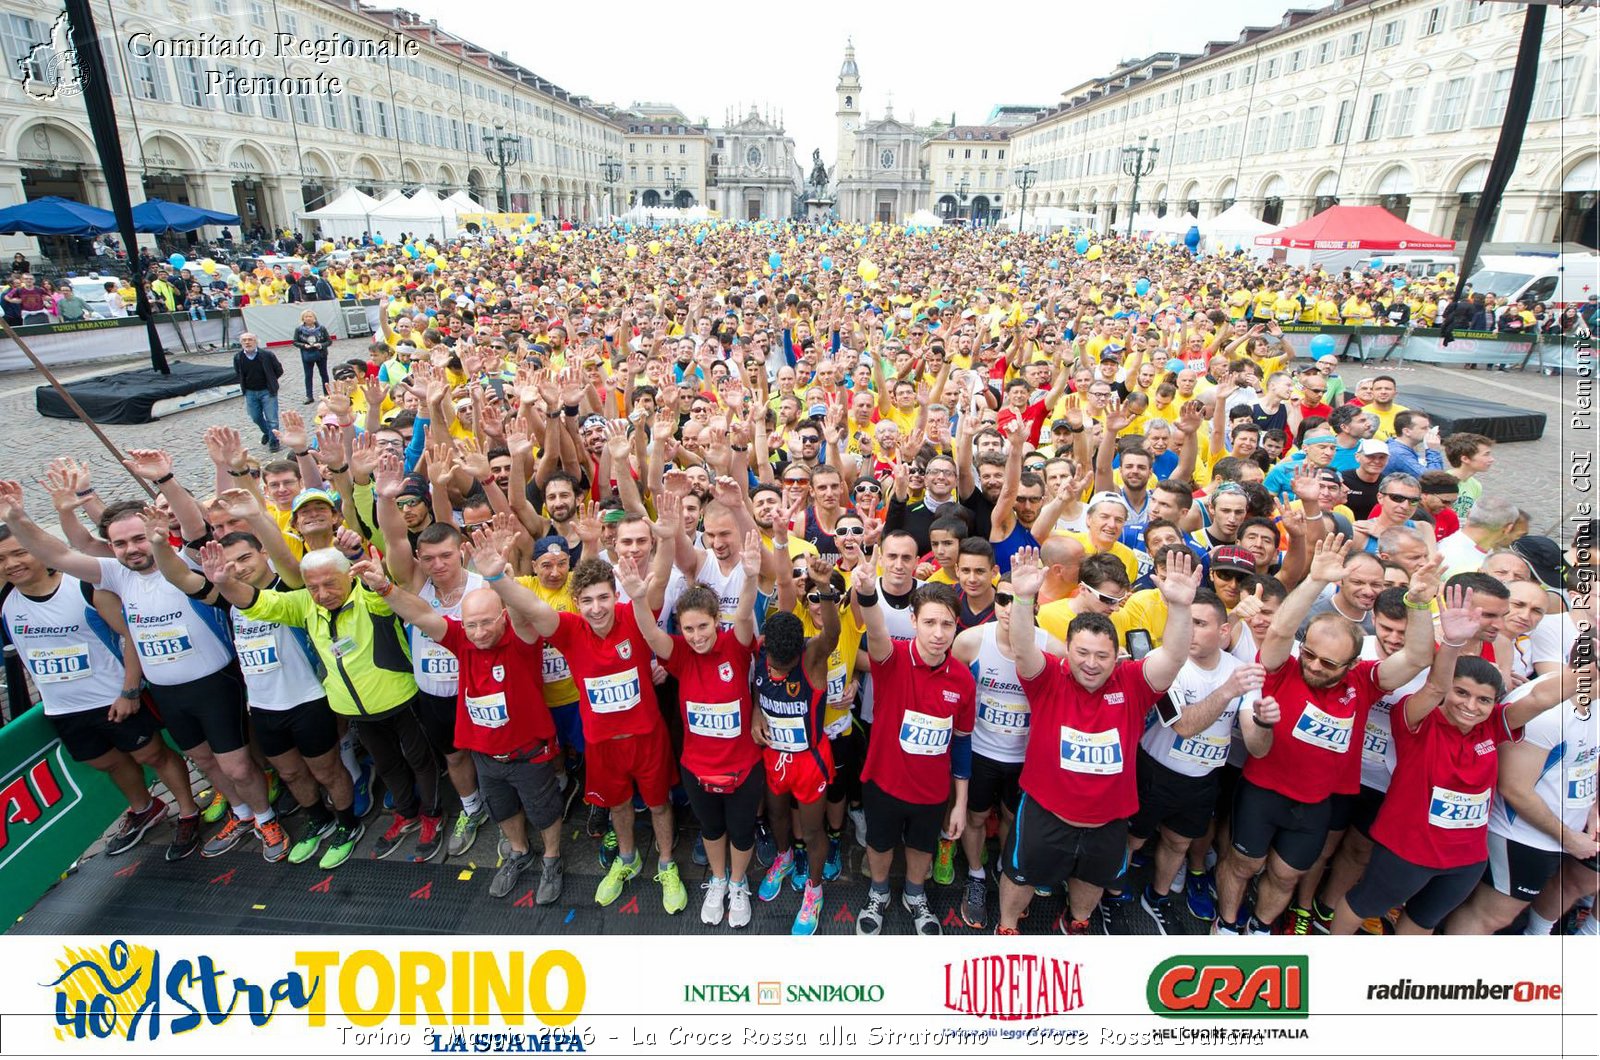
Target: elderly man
x,y
1490,524
258,370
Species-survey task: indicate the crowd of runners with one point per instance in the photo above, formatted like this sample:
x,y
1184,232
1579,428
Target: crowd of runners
x,y
1019,564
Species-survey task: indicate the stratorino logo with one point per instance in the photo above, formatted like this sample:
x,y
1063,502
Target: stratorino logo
x,y
1018,986
1217,987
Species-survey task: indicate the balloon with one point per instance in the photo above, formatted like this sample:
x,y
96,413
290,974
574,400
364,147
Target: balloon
x,y
827,266
699,237
1081,246
594,275
1095,252
633,252
1005,266
654,246
1054,263
431,251
775,260
1141,287
413,253
377,241
178,261
1175,365
208,266
1322,345
867,270
1375,263
1191,238
466,253
327,248
433,266
1399,282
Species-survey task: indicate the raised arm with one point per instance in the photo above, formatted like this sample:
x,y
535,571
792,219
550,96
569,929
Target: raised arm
x,y
155,467
820,647
1327,567
1027,576
489,555
1002,519
744,615
1177,587
46,548
172,567
215,566
387,482
408,605
631,579
1403,665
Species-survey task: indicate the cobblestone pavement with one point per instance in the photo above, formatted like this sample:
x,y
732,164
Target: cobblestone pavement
x,y
1535,475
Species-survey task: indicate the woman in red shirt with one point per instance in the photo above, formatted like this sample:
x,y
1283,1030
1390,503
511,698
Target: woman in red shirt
x,y
1430,839
721,763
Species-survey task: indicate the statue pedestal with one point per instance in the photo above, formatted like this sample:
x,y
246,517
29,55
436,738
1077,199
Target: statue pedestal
x,y
819,210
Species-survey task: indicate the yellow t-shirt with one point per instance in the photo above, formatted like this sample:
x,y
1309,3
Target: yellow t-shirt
x,y
1118,549
1385,420
836,716
1054,618
559,688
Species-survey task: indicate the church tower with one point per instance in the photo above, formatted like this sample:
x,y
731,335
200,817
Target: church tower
x,y
847,116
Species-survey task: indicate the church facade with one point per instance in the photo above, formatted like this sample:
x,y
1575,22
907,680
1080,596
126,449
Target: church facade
x,y
881,173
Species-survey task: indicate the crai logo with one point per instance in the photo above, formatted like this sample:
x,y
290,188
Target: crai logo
x,y
127,992
1218,987
32,798
49,69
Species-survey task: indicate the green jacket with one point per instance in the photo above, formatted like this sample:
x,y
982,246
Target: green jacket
x,y
362,644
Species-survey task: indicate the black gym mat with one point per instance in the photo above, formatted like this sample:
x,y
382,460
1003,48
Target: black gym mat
x,y
1454,412
127,397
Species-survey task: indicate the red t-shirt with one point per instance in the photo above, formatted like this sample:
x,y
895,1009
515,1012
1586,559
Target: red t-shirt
x,y
500,704
1034,414
1080,759
615,694
715,702
916,711
1436,813
1312,755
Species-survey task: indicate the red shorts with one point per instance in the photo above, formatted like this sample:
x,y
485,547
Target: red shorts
x,y
799,773
613,767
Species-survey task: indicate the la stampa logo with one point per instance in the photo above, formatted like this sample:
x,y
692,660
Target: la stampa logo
x,y
50,68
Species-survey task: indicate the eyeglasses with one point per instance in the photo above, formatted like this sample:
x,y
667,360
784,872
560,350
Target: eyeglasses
x,y
849,531
919,471
1033,467
472,528
809,439
1332,664
1106,598
1403,498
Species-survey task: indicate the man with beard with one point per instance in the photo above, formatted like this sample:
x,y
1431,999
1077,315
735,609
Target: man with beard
x,y
938,498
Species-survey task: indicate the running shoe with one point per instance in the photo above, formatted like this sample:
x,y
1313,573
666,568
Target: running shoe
x,y
697,853
552,875
185,837
766,846
133,826
975,903
311,842
1072,927
363,790
231,835
1199,890
1298,921
388,800
944,863
341,845
858,826
274,840
715,901
1001,929
834,865
1376,925
216,809
1160,909
399,828
274,786
619,874
1138,859
599,822
608,850
782,868
1321,918
805,921
505,878
870,920
465,831
1222,927
739,904
922,917
802,867
430,839
674,897
1256,927
1113,913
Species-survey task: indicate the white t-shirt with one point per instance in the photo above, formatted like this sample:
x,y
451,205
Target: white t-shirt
x,y
1000,730
74,658
1198,755
277,662
435,668
1551,640
1461,554
1378,756
1566,784
179,639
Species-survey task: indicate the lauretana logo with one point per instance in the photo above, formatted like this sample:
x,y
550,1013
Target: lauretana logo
x,y
1217,987
1017,986
120,991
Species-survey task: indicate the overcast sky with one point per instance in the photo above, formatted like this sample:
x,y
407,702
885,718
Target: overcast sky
x,y
932,58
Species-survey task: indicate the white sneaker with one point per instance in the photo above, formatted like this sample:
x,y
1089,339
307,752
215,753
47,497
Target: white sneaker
x,y
716,889
1180,879
739,904
858,823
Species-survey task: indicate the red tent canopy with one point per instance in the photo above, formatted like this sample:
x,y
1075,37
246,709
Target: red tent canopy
x,y
1354,228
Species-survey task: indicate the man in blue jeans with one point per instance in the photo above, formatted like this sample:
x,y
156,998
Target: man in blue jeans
x,y
258,370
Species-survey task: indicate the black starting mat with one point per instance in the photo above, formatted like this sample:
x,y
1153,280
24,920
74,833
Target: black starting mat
x,y
128,396
141,893
1456,412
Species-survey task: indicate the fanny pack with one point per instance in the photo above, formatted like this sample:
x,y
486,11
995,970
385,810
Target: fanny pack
x,y
722,783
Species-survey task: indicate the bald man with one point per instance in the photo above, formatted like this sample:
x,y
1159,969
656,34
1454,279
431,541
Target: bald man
x,y
1061,557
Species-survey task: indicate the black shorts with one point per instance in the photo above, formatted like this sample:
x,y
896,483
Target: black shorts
x,y
1227,783
994,782
1265,820
1044,850
849,748
1365,810
209,710
88,734
1168,799
1429,895
438,717
732,813
308,728
892,821
1519,871
511,788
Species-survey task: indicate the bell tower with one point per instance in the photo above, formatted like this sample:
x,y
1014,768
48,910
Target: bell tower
x,y
847,115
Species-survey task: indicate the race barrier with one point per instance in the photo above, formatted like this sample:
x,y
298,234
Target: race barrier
x,y
84,341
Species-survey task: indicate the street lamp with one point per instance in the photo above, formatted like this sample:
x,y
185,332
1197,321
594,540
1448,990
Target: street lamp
x,y
611,172
503,151
672,188
1138,162
1025,175
961,195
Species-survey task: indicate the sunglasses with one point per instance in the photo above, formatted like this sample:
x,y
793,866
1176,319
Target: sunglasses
x,y
1332,664
1033,467
1228,575
798,480
407,502
472,528
850,531
914,470
1403,498
869,487
1002,599
1106,598
809,439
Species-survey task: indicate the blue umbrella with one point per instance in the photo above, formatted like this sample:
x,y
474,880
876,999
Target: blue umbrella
x,y
55,216
159,215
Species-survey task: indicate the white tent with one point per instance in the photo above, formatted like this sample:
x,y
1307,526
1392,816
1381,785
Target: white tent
x,y
1175,224
1048,219
1144,222
924,219
348,215
666,215
1236,227
423,214
461,203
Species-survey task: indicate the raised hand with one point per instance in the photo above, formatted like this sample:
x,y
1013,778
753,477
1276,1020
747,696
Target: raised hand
x,y
149,464
1267,711
157,524
728,491
388,477
213,563
11,500
1459,618
1246,678
292,431
820,571
472,460
1250,606
864,579
369,568
488,553
1307,482
1426,579
240,504
586,521
630,578
1327,562
617,442
750,555
1191,414
1027,572
347,540
363,456
1178,583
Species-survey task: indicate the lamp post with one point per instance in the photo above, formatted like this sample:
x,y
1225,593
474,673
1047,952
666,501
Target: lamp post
x,y
1025,175
503,151
611,172
672,189
1138,162
961,196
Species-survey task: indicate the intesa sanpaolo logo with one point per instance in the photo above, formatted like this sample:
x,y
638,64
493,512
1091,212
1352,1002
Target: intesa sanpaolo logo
x,y
1222,987
1015,986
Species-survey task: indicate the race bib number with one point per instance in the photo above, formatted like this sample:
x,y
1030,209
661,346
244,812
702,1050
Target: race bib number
x,y
163,644
258,655
437,662
52,665
717,720
1458,809
1004,718
1099,753
836,683
1375,744
1581,784
488,711
1203,750
1320,729
786,734
555,666
613,693
924,734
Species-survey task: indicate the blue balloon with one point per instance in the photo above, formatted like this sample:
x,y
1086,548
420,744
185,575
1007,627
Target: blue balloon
x,y
1022,272
800,237
1375,263
1322,345
1141,287
1191,238
377,241
826,263
1399,281
178,261
699,237
775,260
1054,263
1082,245
433,267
